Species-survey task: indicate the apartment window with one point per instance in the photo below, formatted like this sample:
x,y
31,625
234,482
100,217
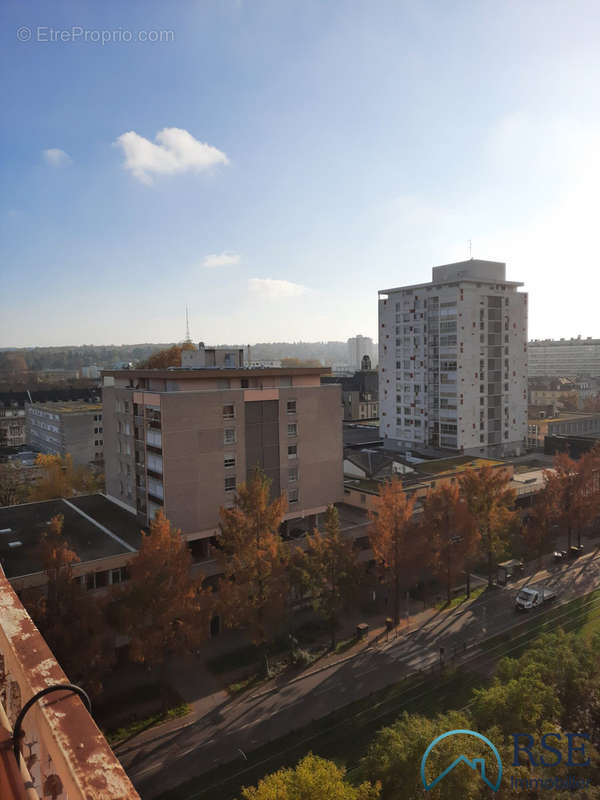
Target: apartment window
x,y
291,406
229,436
363,499
293,475
229,462
292,495
228,412
245,383
292,429
115,576
230,483
292,451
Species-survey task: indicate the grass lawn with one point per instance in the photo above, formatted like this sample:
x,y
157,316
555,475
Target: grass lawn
x,y
138,725
461,598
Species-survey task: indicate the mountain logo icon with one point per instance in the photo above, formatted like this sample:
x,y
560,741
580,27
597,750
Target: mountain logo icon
x,y
476,764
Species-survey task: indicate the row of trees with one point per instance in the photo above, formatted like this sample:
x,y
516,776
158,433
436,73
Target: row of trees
x,y
163,609
552,688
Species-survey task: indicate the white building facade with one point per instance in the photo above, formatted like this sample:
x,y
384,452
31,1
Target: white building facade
x,y
359,346
453,361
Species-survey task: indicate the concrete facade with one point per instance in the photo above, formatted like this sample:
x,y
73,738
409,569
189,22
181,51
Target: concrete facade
x,y
358,347
558,357
453,361
184,440
62,429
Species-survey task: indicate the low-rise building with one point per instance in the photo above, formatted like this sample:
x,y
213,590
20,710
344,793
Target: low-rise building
x,y
102,534
565,424
12,409
360,395
74,429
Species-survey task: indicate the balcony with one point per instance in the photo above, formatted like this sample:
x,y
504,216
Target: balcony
x,y
64,755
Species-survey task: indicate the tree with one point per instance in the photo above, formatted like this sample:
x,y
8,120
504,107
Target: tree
x,y
313,778
170,357
254,589
12,489
162,608
391,534
73,623
490,501
538,529
394,758
61,478
451,533
521,703
566,494
328,570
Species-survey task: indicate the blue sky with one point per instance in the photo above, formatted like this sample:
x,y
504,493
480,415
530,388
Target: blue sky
x,y
333,148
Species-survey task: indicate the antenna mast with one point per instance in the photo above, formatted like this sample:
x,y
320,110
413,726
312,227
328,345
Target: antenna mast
x,y
187,325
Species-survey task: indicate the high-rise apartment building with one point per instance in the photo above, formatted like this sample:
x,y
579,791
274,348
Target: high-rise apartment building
x,y
185,439
358,347
453,361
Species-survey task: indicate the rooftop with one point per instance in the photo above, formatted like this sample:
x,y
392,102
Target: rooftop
x,y
475,270
94,528
75,407
215,372
442,466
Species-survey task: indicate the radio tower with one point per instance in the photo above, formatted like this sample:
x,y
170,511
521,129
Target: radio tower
x,y
188,338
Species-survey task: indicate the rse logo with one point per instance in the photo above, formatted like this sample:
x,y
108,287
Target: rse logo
x,y
523,743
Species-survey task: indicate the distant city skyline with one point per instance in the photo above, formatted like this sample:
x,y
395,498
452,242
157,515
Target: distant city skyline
x,y
273,164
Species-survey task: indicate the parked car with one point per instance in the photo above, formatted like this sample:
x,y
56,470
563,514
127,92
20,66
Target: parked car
x,y
533,597
575,550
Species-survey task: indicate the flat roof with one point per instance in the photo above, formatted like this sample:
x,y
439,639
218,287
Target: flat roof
x,y
94,528
76,407
440,466
215,372
448,281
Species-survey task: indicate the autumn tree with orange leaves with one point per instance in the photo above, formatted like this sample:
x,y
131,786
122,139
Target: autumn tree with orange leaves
x,y
569,494
61,478
254,589
71,621
490,501
392,537
163,609
328,571
450,532
170,357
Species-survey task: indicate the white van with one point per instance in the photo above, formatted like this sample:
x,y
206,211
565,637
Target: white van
x,y
533,596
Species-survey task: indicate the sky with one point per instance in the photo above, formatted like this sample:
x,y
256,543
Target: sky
x,y
274,163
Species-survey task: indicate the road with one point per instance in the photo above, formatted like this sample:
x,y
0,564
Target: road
x,y
163,757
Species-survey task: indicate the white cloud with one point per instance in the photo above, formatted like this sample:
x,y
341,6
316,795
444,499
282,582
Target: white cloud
x,y
176,151
275,289
56,157
221,260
